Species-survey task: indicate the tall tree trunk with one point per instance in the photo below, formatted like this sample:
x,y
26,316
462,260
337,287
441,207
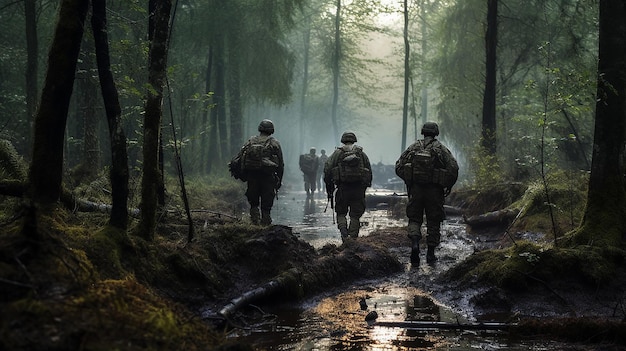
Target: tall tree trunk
x,y
46,170
157,65
604,221
234,99
90,163
407,75
206,123
220,102
32,56
424,93
489,140
335,69
305,80
119,154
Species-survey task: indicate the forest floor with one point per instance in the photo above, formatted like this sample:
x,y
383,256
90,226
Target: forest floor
x,y
70,282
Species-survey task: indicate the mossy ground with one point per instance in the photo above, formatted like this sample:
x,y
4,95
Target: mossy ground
x,y
76,283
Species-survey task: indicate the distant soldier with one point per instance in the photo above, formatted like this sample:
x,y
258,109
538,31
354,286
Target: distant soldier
x,y
429,171
320,169
348,170
260,163
309,163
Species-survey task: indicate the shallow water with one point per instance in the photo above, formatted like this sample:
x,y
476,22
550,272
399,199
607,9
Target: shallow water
x,y
337,321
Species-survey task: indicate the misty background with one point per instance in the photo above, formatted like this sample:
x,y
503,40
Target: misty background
x,y
318,68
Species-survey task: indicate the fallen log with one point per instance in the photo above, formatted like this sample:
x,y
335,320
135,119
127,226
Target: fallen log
x,y
495,218
443,325
287,281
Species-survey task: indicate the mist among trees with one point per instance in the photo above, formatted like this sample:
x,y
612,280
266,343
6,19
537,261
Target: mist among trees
x,y
511,83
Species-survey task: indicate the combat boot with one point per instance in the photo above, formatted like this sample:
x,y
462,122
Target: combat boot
x,y
344,233
430,255
354,227
266,219
415,250
255,215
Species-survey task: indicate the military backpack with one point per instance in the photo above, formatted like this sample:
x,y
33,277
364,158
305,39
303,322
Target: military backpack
x,y
257,154
351,167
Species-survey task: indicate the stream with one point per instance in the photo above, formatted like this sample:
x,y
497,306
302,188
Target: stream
x,y
337,320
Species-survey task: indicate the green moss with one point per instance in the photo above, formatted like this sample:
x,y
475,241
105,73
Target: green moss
x,y
527,264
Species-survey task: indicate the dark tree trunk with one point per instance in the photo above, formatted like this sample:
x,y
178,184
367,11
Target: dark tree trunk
x,y
206,124
335,69
119,154
604,221
407,76
234,101
489,140
220,103
46,170
305,80
157,65
32,55
90,160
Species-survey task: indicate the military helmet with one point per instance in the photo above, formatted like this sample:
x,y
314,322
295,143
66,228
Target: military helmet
x,y
266,126
430,128
312,150
348,137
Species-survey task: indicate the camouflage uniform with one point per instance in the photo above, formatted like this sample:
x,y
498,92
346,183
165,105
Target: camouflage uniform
x,y
350,197
320,170
309,172
263,184
427,198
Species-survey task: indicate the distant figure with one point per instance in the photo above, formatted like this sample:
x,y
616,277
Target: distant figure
x,y
260,163
348,170
429,171
320,169
309,163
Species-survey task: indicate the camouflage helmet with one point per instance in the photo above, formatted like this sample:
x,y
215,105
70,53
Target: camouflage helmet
x,y
348,137
430,128
266,126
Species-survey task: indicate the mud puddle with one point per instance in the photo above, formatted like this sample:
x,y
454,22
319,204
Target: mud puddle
x,y
337,320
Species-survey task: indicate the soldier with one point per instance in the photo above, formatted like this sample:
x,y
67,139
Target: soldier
x,y
320,169
309,163
348,170
429,171
262,166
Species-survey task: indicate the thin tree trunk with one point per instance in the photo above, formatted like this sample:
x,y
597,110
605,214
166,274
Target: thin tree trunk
x,y
45,175
604,221
489,141
152,119
119,154
220,102
305,81
335,70
90,163
32,56
407,75
234,101
205,148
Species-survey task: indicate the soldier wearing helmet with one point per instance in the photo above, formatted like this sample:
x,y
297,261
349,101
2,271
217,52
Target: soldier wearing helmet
x,y
309,163
263,166
429,171
348,171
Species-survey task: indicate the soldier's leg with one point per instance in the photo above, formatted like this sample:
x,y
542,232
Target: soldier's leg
x,y
435,214
357,209
415,214
341,208
267,201
253,195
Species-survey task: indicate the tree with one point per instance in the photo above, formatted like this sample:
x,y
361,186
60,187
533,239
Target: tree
x,y
46,169
489,140
151,176
407,75
32,52
604,220
119,155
